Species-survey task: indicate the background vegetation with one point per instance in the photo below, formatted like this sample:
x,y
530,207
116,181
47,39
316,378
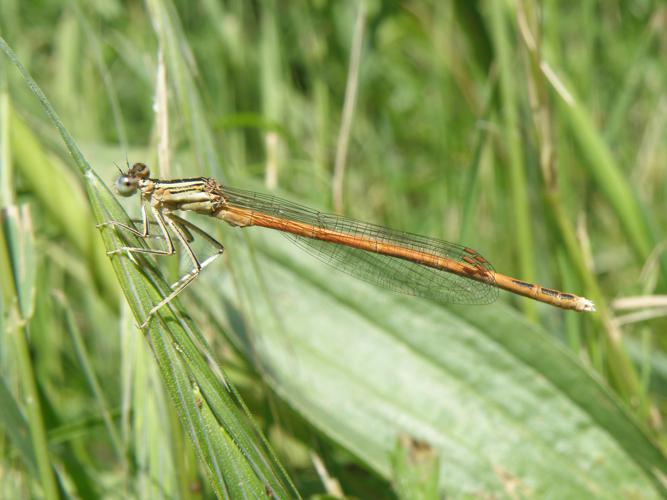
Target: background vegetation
x,y
532,132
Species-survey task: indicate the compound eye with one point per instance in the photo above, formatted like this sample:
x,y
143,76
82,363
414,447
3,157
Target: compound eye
x,y
140,171
126,186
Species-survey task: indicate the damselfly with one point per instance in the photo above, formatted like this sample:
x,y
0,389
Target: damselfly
x,y
403,262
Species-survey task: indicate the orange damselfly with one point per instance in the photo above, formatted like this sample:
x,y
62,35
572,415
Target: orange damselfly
x,y
403,262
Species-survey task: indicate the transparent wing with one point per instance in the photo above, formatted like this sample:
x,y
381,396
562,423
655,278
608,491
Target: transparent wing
x,y
394,273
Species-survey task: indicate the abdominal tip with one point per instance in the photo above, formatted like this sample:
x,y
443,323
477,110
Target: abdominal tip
x,y
585,305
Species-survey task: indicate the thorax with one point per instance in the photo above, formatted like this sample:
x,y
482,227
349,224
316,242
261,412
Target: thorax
x,y
199,194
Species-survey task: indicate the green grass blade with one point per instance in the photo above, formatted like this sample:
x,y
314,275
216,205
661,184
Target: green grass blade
x,y
185,361
87,366
509,87
16,427
603,168
72,147
18,257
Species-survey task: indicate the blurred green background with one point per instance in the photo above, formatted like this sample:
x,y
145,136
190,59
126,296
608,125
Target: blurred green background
x,y
530,131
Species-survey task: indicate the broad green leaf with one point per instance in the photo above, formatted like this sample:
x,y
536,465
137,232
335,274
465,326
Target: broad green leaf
x,y
496,398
